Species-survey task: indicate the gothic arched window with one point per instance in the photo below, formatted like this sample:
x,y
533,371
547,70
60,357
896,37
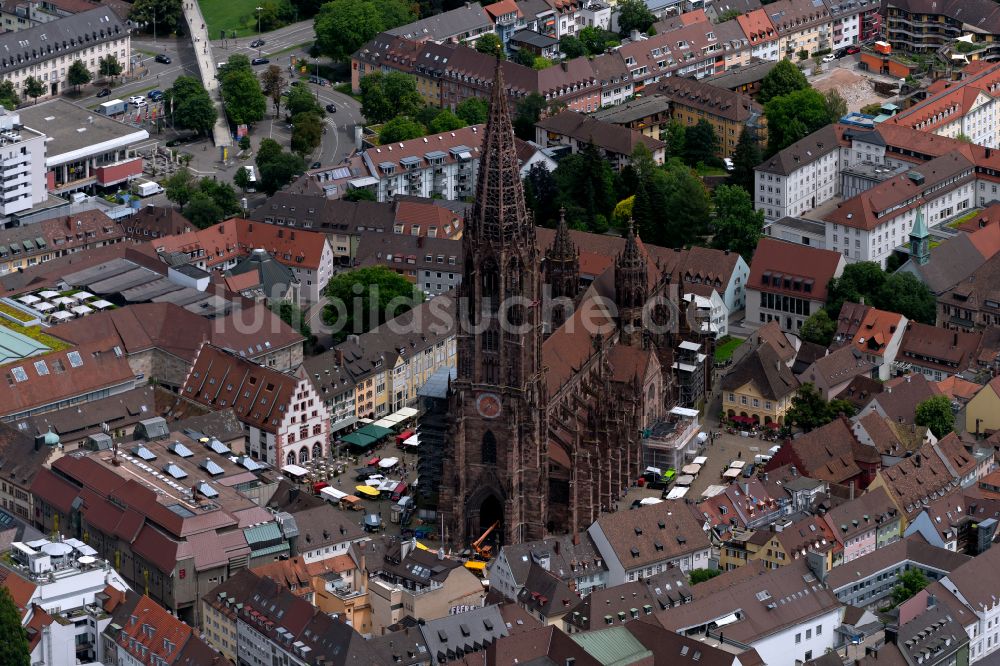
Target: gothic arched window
x,y
489,452
304,455
290,458
490,291
317,450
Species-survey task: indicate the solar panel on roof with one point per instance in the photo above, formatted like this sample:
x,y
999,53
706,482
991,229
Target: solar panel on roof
x,y
75,359
41,368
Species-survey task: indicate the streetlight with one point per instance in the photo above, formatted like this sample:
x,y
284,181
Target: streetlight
x,y
259,10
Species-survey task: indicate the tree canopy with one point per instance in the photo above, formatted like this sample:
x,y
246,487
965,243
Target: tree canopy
x,y
908,584
276,166
272,83
193,109
387,95
13,638
400,128
33,88
179,187
898,292
746,156
490,44
529,111
819,328
738,226
8,95
701,143
307,133
109,66
701,575
166,14
794,116
784,78
472,110
301,100
343,26
244,101
810,411
634,15
936,414
376,293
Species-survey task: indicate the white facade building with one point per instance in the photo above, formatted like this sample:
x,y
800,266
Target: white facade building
x,y
67,577
22,160
800,177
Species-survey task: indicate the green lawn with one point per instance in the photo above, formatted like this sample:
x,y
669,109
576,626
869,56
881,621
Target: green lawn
x,y
229,15
965,218
725,347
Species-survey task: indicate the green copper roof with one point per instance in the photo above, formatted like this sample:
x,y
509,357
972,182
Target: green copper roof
x,y
614,646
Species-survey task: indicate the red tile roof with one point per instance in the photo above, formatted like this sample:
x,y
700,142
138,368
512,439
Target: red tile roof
x,y
236,237
258,394
876,331
951,101
790,260
757,26
152,630
20,589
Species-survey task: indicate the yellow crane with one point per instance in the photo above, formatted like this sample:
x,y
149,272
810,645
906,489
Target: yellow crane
x,y
482,552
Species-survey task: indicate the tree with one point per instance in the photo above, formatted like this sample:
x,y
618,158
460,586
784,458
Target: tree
x,y
676,139
33,88
541,63
524,57
400,128
78,74
836,107
244,142
109,66
746,156
445,121
689,206
909,583
905,294
818,328
529,112
301,100
472,110
586,189
490,44
541,194
245,102
935,413
359,194
872,109
307,133
202,210
634,15
272,83
343,26
191,106
701,575
738,226
375,293
8,95
701,144
794,116
274,14
222,193
179,187
728,15
595,40
385,96
268,150
165,13
292,315
242,178
279,170
809,410
861,278
13,638
571,47
784,78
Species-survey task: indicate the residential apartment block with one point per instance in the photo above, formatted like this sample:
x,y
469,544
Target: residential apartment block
x,y
728,112
46,51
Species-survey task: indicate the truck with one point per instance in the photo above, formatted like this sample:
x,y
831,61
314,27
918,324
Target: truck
x,y
113,107
145,188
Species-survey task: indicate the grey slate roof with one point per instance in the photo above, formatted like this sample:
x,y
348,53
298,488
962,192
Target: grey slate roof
x,y
803,152
455,23
771,376
63,37
471,631
950,262
633,110
566,559
275,278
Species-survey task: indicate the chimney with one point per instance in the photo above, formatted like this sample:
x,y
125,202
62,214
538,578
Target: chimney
x,y
420,241
988,152
556,547
340,356
954,340
852,490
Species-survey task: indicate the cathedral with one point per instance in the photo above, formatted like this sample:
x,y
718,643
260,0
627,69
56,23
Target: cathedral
x,y
556,380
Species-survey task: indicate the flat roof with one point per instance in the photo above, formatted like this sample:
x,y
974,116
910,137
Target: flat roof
x,y
75,132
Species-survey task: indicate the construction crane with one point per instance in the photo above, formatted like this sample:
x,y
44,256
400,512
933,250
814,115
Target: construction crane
x,y
482,552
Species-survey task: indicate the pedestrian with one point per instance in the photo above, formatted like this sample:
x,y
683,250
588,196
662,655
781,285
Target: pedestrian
x,y
739,454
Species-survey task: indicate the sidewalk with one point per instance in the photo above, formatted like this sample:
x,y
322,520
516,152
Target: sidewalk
x,y
208,70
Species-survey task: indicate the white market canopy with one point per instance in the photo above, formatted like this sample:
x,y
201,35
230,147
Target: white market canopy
x,y
29,299
737,464
82,310
677,492
101,304
700,460
384,423
388,463
691,469
412,440
82,295
63,300
44,306
294,470
48,293
61,316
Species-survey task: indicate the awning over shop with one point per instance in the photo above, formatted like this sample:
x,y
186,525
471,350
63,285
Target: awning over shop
x,y
358,439
374,431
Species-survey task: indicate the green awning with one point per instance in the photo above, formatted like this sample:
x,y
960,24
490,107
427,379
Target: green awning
x,y
372,430
4,251
28,244
269,550
40,241
358,439
260,534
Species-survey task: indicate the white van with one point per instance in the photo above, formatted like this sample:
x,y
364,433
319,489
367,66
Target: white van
x,y
761,459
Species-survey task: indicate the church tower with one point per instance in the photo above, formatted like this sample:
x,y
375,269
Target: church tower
x,y
920,249
496,460
562,272
631,288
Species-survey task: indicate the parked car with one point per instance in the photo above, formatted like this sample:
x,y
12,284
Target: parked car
x,y
162,58
318,80
259,61
331,108
829,57
854,48
316,165
257,43
105,92
748,471
155,95
137,100
729,163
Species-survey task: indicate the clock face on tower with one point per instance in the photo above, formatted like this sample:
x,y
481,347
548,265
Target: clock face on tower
x,y
488,405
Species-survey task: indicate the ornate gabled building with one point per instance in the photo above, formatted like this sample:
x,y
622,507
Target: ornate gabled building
x,y
550,403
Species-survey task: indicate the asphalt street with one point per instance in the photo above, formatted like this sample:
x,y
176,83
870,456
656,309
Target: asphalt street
x,y
337,142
